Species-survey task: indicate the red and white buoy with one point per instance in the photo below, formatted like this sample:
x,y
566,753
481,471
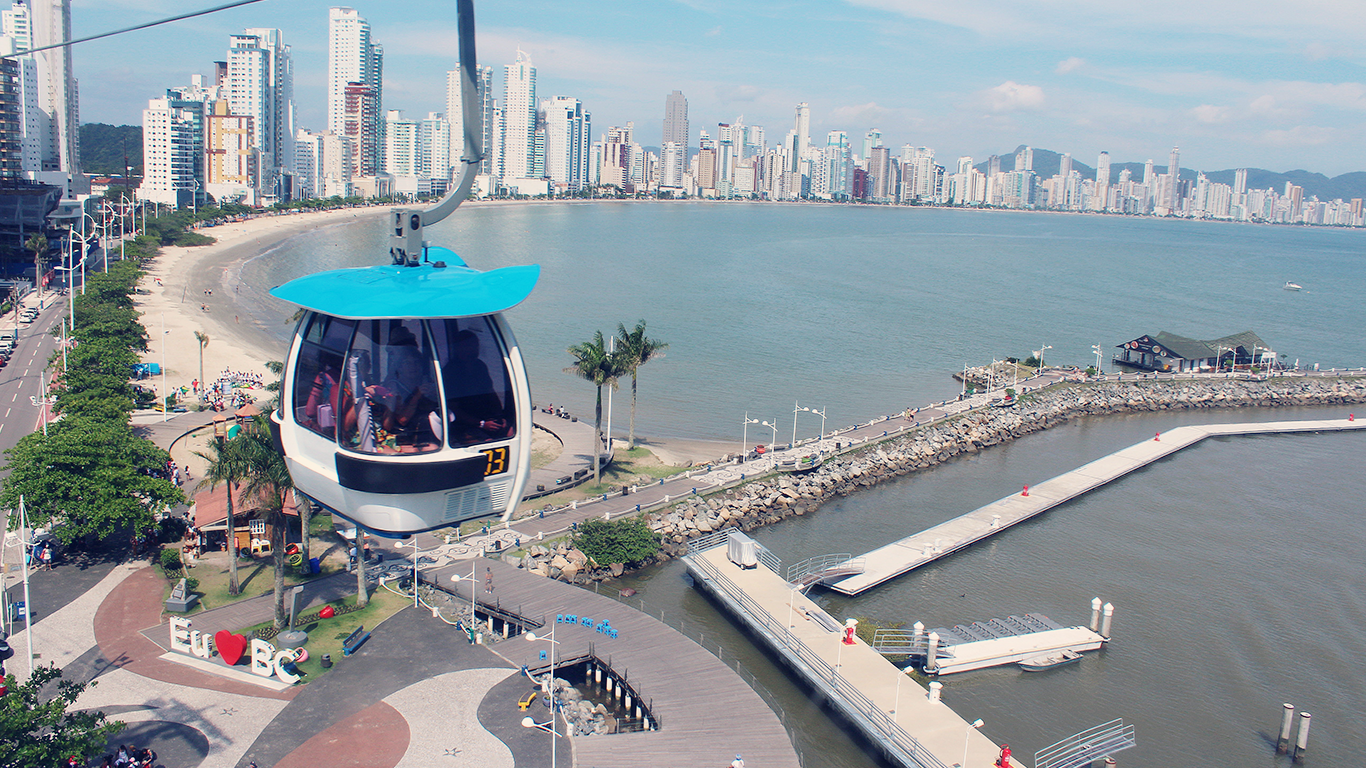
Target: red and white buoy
x,y
1157,438
1026,491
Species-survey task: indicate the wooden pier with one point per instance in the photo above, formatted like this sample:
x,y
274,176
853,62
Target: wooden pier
x,y
888,707
701,712
929,545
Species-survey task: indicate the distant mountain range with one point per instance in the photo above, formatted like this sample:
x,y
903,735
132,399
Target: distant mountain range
x,y
1346,186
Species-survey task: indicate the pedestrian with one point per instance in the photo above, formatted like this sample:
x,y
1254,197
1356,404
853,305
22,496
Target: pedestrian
x,y
45,556
738,762
488,580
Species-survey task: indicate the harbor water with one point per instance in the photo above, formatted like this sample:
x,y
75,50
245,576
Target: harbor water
x,y
1235,566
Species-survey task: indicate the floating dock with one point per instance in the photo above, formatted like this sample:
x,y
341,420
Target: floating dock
x,y
912,727
929,545
983,644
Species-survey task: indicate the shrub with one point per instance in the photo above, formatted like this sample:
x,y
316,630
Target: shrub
x,y
169,560
617,541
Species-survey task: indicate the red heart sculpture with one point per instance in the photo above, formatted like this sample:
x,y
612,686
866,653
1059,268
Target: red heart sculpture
x,y
327,612
230,646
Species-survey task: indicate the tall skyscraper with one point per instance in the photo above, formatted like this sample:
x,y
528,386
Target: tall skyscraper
x,y
483,84
1024,159
434,149
802,125
676,119
48,22
1240,181
1065,165
1101,198
519,118
260,85
1174,170
352,58
360,123
568,140
871,139
400,144
168,153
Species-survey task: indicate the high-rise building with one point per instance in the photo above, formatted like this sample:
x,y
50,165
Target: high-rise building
x,y
676,119
1240,181
455,114
260,84
352,58
568,142
322,164
11,118
168,155
362,127
230,146
48,22
519,118
881,174
400,144
434,150
871,139
1024,159
1100,197
1174,170
840,176
802,125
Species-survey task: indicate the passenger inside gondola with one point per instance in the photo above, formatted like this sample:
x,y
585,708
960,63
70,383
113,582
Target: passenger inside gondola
x,y
476,411
410,398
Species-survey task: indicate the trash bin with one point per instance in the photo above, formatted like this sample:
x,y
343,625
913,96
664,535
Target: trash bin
x,y
315,565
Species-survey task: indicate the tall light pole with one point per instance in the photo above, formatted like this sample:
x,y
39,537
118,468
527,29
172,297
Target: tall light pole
x,y
1096,348
744,434
896,705
795,410
549,691
975,724
773,425
1042,349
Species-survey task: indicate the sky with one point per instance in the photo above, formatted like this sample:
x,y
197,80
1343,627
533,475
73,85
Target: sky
x,y
1233,83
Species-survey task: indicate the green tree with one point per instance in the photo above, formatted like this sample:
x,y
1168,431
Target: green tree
x,y
269,482
37,243
594,364
88,477
616,541
36,730
227,466
636,349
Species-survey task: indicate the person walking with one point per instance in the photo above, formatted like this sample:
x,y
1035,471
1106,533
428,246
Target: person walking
x,y
488,580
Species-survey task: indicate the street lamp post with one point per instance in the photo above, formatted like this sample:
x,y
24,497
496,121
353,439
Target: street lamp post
x,y
1096,348
896,705
549,690
744,435
975,724
773,425
795,410
1042,349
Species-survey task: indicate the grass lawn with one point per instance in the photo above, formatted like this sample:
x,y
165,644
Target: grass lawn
x,y
637,466
325,636
255,577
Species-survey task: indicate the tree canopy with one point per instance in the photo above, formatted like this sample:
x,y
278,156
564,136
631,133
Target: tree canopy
x,y
39,731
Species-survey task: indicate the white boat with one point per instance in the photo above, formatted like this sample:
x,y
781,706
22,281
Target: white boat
x,y
1289,286
1050,660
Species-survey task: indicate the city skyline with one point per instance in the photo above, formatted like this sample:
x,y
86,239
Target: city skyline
x,y
1261,90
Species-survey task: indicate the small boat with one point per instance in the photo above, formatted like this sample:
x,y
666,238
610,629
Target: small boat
x,y
1289,286
1050,660
1004,402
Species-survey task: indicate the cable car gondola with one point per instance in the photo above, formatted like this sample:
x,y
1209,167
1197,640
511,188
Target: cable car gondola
x,y
405,404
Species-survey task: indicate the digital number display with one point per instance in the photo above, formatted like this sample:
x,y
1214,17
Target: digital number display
x,y
497,460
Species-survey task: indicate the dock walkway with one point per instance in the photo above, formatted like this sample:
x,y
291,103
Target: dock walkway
x,y
918,549
889,708
706,713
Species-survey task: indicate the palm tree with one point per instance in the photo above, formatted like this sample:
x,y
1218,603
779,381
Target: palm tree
x,y
636,349
203,339
38,244
269,482
225,466
593,363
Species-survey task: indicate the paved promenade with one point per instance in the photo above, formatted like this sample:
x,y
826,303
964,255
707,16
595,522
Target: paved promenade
x,y
925,547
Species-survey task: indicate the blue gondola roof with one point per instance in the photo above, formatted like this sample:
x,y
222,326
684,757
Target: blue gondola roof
x,y
390,291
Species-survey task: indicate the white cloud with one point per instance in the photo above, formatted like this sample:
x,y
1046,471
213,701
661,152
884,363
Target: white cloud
x,y
1070,64
714,31
1011,96
1211,114
1299,136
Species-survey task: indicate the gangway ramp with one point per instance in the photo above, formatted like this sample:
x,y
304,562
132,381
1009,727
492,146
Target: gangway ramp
x,y
919,549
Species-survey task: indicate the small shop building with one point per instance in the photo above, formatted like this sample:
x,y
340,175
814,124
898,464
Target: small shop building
x,y
252,532
1169,353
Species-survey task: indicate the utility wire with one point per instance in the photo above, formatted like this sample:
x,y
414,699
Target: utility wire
x,y
181,17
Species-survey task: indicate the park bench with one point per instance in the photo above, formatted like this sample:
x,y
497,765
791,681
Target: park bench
x,y
355,641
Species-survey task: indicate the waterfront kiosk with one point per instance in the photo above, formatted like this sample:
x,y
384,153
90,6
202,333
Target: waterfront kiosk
x,y
1169,353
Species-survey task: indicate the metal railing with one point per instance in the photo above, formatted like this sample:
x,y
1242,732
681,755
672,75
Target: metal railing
x,y
814,570
1086,747
878,725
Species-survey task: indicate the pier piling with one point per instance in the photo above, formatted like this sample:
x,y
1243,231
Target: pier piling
x,y
1095,614
1287,722
931,652
1109,613
1302,738
935,688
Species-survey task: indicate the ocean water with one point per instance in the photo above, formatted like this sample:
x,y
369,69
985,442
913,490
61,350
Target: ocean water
x,y
863,311
1235,566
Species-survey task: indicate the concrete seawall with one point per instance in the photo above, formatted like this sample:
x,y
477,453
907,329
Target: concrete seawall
x,y
770,500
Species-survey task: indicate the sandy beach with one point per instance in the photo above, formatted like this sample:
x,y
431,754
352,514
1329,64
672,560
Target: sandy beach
x,y
184,290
